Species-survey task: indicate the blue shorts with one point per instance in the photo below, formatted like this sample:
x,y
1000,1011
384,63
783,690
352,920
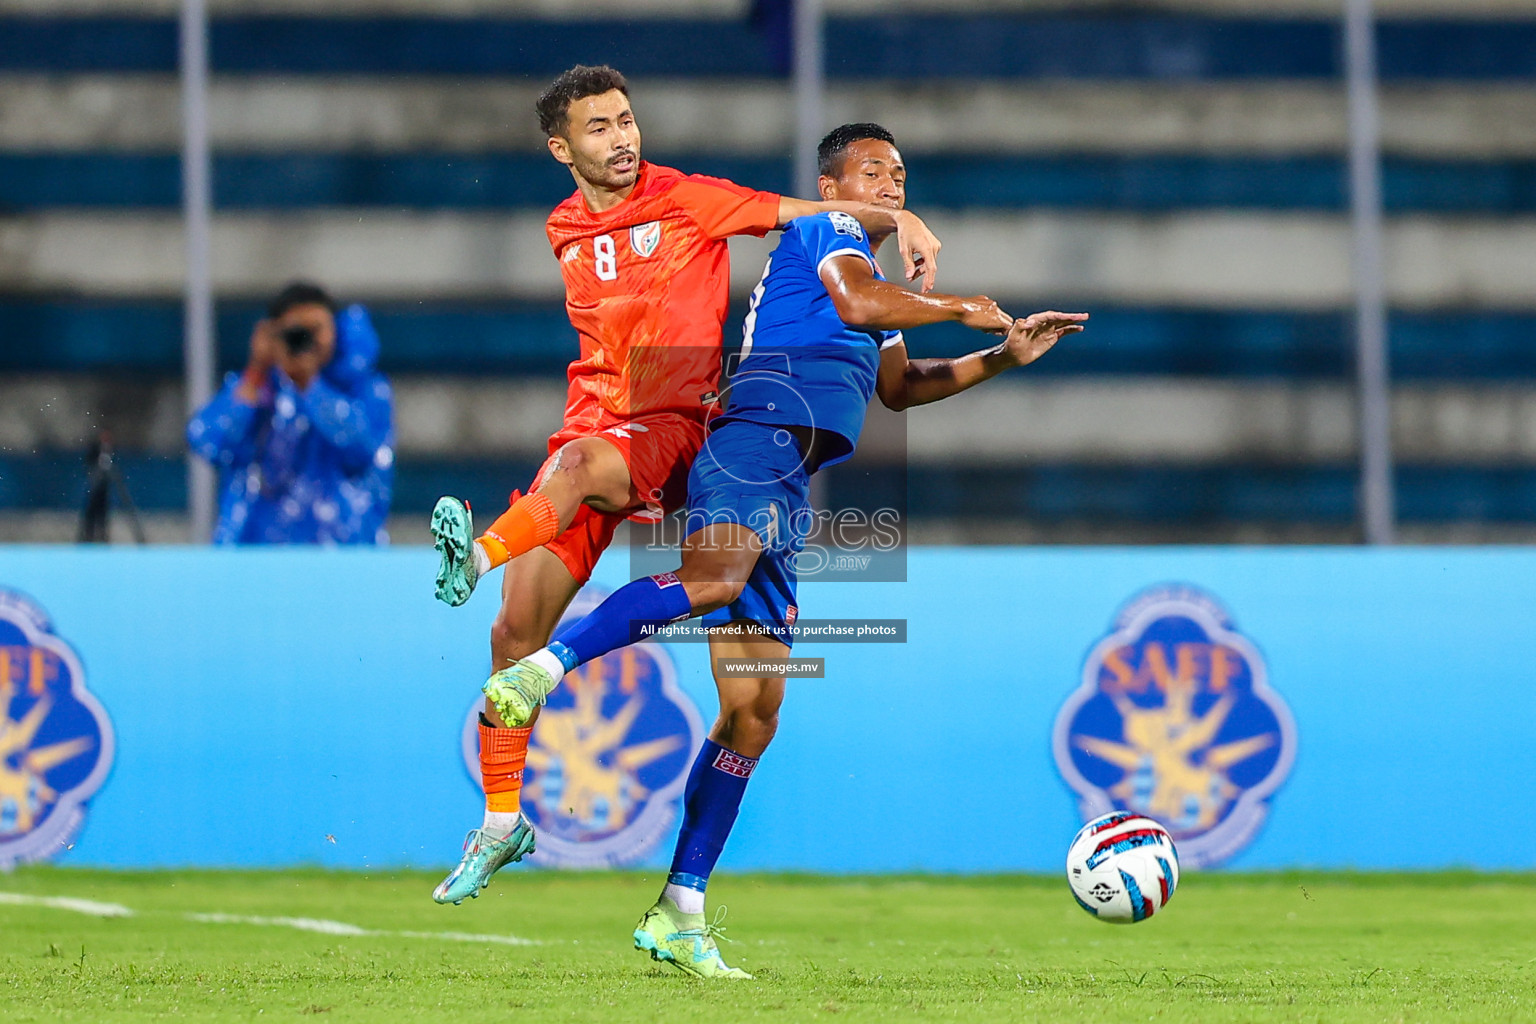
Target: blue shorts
x,y
756,476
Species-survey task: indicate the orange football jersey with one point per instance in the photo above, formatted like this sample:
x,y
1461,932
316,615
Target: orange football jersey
x,y
647,285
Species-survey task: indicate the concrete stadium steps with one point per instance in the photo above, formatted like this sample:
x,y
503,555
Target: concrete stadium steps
x,y
466,181
1463,121
1265,8
1204,259
1073,44
1090,421
1179,496
388,147
61,526
58,332
1193,496
158,483
1181,421
595,9
569,10
512,339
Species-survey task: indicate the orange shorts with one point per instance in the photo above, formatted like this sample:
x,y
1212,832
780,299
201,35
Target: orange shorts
x,y
659,450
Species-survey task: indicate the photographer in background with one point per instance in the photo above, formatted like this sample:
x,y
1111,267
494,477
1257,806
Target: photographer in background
x,y
302,438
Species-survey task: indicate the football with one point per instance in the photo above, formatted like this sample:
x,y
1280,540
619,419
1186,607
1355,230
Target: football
x,y
1122,867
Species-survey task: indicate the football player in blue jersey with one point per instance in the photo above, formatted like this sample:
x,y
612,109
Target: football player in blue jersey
x,y
821,338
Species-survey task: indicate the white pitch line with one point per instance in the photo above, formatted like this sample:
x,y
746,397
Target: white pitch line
x,y
503,940
324,927
90,907
304,924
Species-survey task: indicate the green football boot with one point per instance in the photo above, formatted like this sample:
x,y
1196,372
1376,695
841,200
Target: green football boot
x,y
484,855
453,534
517,691
686,941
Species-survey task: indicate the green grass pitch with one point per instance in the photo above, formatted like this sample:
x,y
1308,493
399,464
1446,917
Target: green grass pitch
x,y
1291,947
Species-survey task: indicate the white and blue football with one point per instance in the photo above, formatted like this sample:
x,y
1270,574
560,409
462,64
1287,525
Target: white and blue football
x,y
1122,867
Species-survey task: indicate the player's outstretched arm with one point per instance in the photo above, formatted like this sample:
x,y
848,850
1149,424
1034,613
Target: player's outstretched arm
x,y
919,247
864,300
904,382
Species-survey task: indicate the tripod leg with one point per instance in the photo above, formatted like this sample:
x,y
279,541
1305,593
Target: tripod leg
x,y
134,523
93,517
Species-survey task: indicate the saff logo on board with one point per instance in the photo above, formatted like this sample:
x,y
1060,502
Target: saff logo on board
x,y
55,738
608,758
1175,719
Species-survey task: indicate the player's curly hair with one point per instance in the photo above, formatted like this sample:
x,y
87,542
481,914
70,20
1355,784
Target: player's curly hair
x,y
581,81
829,155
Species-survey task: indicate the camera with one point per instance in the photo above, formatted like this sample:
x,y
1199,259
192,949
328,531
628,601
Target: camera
x,y
298,339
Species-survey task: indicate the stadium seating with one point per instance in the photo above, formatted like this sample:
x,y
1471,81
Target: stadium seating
x,y
1175,167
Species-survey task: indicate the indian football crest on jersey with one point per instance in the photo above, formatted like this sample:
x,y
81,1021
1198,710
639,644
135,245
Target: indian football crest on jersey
x,y
56,741
644,238
1175,719
608,758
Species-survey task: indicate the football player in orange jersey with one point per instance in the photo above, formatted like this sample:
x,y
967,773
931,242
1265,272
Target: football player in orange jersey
x,y
642,250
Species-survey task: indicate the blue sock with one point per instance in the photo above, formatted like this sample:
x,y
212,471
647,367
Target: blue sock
x,y
630,614
711,799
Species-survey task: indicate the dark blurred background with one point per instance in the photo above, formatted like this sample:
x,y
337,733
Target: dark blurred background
x,y
1177,168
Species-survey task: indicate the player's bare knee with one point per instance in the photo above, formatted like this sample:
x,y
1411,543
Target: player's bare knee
x,y
731,591
566,470
747,729
708,595
575,458
763,726
761,711
511,640
716,594
591,470
503,633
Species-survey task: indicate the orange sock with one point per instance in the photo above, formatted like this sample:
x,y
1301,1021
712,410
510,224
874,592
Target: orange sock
x,y
530,523
503,752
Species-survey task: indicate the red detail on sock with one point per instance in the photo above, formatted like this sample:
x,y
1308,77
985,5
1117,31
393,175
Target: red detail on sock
x,y
531,522
733,763
503,755
666,579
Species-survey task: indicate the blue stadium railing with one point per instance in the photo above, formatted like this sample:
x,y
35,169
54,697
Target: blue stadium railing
x,y
502,337
536,339
1158,495
1090,45
479,181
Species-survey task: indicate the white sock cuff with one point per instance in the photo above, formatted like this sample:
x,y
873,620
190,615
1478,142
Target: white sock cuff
x,y
546,660
689,901
500,823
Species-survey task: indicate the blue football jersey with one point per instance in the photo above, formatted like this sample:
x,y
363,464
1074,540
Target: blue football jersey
x,y
800,365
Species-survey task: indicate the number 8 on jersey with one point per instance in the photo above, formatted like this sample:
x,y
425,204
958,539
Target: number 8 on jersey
x,y
607,258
